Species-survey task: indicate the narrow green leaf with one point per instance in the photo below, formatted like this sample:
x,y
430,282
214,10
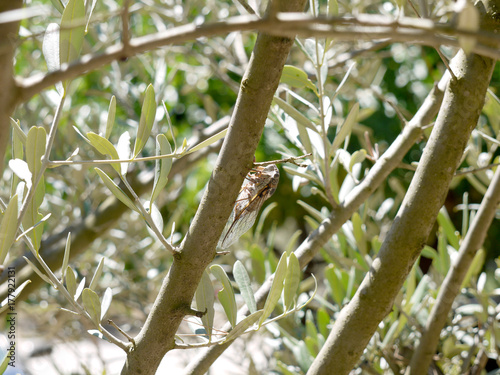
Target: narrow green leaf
x,y
242,326
323,320
226,294
208,142
338,292
276,288
105,147
116,191
79,289
106,301
66,255
5,362
292,241
8,227
111,117
70,281
294,113
146,121
18,131
123,149
92,305
243,280
50,47
292,280
260,225
35,149
258,260
296,77
92,7
21,170
449,229
58,5
357,157
72,31
97,274
312,211
204,298
162,167
345,129
13,296
359,234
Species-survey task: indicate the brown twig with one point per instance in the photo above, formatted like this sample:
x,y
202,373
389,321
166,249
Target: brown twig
x,y
286,160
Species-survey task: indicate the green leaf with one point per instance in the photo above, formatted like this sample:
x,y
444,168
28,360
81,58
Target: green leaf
x,y
336,288
105,147
13,296
21,170
111,117
357,157
71,281
276,288
226,295
35,149
294,113
92,305
204,298
359,234
116,191
162,166
8,227
106,301
323,320
208,142
92,7
243,281
72,31
97,274
66,255
292,281
50,47
312,211
449,229
146,121
296,77
79,289
345,129
242,326
58,5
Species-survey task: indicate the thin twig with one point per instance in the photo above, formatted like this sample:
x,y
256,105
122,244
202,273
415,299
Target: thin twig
x,y
129,338
286,160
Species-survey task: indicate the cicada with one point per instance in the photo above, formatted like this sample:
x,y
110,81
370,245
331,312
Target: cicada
x,y
259,185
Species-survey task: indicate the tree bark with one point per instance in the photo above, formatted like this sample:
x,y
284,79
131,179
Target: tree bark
x,y
235,160
8,33
358,321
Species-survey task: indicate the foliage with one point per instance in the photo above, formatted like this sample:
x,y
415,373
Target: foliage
x,y
342,102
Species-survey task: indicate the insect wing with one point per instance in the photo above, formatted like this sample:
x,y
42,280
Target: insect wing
x,y
256,188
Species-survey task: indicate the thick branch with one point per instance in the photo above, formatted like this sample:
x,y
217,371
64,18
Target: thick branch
x,y
311,246
198,248
362,27
8,33
358,321
474,239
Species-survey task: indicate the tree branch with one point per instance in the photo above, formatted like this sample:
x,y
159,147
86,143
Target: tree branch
x,y
450,288
358,321
257,90
361,27
313,243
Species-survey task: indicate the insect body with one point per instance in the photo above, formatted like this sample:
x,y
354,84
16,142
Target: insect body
x,y
259,185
